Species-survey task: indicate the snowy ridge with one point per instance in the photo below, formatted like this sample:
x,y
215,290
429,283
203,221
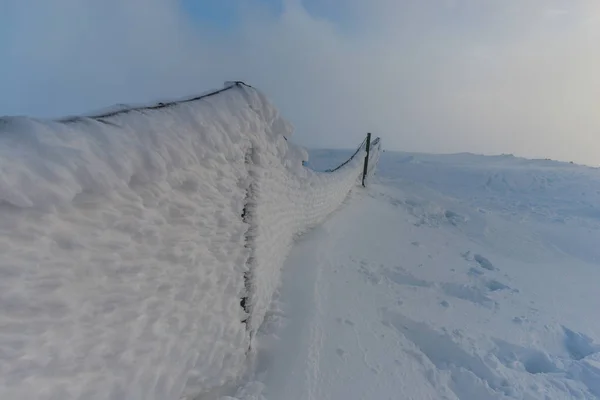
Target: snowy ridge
x,y
124,251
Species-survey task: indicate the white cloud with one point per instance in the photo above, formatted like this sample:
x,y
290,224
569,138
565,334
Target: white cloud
x,y
439,75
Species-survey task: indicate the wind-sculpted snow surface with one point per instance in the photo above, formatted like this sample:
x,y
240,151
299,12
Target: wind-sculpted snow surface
x,y
124,254
435,284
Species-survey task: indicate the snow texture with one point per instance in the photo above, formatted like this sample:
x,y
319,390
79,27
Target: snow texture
x,y
124,254
286,205
450,277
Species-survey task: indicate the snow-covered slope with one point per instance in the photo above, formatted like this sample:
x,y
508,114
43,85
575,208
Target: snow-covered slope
x,y
452,277
128,240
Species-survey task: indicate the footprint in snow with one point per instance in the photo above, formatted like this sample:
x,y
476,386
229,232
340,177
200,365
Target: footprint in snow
x,y
369,275
579,345
441,349
479,259
535,361
400,276
473,294
532,360
484,262
474,272
493,285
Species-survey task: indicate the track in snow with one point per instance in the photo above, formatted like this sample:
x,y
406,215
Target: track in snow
x,y
409,293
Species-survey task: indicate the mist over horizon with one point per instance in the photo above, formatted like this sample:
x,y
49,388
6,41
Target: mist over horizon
x,y
437,76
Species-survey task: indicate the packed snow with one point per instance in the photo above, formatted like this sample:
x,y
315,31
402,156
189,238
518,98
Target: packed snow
x,y
129,239
449,277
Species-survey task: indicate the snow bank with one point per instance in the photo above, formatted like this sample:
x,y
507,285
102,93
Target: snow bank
x,y
124,251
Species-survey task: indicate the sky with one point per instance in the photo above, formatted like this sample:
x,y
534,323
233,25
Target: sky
x,y
442,76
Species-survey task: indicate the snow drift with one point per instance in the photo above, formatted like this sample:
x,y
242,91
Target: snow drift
x,y
128,240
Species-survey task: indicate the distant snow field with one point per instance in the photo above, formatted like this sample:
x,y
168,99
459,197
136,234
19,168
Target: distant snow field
x,y
450,277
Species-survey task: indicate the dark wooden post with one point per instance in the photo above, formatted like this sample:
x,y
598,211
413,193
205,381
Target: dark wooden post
x,y
366,159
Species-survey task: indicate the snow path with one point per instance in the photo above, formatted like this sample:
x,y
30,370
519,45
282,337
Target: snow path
x,y
408,293
332,340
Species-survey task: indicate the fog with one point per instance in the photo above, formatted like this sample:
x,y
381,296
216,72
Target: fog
x,y
484,76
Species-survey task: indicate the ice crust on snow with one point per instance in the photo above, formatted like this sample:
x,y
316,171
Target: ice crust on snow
x,y
123,250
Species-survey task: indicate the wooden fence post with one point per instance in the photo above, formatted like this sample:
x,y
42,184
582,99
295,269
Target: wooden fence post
x,y
366,159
